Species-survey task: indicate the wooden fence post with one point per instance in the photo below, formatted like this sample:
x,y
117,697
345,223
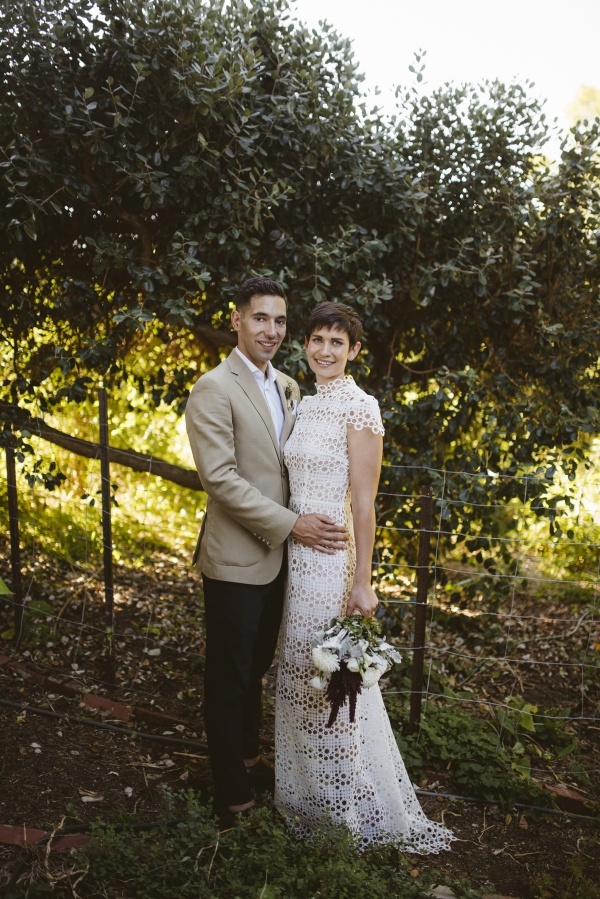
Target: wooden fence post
x,y
109,611
416,694
15,547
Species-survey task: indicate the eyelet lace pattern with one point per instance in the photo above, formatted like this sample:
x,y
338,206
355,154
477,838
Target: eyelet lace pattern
x,y
349,774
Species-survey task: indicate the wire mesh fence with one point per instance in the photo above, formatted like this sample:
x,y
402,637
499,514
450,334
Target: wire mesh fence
x,y
501,618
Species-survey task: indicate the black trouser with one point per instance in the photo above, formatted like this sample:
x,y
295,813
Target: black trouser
x,y
242,625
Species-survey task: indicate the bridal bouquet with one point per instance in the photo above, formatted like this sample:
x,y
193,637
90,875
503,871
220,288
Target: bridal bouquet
x,y
349,655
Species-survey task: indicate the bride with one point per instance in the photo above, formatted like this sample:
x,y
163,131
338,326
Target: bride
x,y
351,773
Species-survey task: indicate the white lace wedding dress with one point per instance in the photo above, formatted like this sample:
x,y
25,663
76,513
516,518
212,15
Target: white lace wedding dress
x,y
349,774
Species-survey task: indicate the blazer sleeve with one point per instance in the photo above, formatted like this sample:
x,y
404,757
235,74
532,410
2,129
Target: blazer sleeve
x,y
209,423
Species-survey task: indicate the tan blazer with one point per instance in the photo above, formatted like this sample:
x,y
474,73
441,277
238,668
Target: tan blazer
x,y
240,463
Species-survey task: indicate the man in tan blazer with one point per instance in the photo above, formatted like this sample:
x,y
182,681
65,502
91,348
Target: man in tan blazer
x,y
238,417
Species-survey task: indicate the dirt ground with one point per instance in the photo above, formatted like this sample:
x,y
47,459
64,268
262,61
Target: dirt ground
x,y
56,769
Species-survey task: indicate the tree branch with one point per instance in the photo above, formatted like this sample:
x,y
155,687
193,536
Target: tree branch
x,y
21,419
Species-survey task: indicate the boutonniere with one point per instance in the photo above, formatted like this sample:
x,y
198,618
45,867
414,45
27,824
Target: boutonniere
x,y
289,398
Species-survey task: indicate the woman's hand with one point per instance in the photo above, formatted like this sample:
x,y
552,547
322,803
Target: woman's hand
x,y
362,599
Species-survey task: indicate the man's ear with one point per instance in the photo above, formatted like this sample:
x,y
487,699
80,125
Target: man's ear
x,y
235,320
354,351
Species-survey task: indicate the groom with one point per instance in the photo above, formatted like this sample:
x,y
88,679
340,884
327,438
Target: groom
x,y
238,417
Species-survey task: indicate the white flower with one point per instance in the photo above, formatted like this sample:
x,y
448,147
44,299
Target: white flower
x,y
324,660
379,662
356,642
371,676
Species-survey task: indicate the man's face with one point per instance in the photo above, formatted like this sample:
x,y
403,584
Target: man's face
x,y
260,327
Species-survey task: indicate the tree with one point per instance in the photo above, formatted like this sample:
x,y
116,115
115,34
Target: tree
x,y
150,151
153,154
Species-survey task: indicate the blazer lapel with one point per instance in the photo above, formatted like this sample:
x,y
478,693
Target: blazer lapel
x,y
289,419
247,383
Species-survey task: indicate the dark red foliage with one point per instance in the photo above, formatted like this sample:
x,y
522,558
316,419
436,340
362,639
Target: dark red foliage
x,y
343,685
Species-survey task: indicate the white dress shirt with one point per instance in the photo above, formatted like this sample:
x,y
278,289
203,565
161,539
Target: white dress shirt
x,y
268,385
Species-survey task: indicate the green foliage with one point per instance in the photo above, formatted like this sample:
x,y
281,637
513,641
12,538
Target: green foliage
x,y
482,759
154,154
148,513
575,883
532,732
255,858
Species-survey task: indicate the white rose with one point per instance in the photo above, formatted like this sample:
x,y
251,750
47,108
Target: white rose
x,y
371,676
318,682
352,665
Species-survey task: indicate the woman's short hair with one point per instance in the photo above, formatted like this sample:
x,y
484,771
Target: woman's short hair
x,y
335,315
258,287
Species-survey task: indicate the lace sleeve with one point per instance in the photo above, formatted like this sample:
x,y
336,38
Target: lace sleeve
x,y
364,413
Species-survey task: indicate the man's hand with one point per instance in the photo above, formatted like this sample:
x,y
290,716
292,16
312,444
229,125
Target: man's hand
x,y
320,532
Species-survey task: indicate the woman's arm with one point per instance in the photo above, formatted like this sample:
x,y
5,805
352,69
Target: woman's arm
x,y
364,451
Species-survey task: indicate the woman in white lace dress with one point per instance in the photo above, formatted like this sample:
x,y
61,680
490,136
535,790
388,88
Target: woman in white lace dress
x,y
350,773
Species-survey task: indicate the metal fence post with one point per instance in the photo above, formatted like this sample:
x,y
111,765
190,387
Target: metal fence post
x,y
15,547
416,694
107,538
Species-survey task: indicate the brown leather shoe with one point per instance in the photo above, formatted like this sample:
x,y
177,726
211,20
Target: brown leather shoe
x,y
262,774
228,818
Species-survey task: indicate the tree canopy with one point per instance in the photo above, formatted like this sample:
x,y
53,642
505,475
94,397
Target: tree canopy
x,y
153,154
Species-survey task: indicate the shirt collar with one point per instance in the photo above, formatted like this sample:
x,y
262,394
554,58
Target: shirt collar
x,y
270,373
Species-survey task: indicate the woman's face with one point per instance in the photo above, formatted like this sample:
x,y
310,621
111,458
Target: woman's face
x,y
327,351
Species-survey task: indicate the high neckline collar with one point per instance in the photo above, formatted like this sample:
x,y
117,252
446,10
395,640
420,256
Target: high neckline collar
x,y
334,386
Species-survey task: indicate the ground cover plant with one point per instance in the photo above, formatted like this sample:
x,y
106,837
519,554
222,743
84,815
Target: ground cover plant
x,y
511,671
60,772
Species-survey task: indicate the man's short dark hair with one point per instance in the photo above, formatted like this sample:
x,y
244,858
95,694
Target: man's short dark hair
x,y
335,315
258,287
